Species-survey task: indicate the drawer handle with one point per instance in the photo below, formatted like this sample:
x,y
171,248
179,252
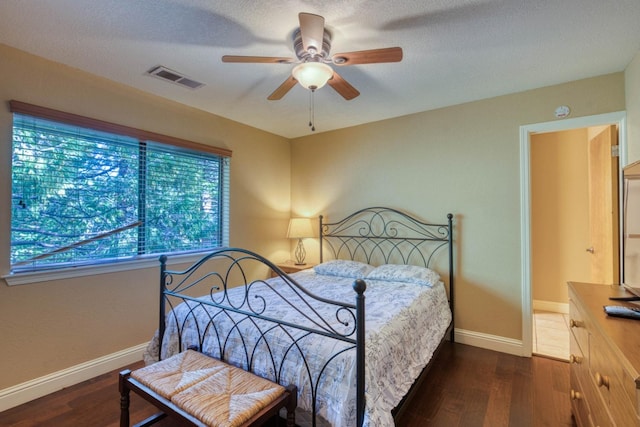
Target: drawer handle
x,y
575,359
575,395
576,323
602,380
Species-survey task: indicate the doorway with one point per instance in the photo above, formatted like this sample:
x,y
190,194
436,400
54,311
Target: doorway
x,y
526,135
574,225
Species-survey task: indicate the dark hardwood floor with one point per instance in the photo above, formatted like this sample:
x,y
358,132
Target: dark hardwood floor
x,y
467,387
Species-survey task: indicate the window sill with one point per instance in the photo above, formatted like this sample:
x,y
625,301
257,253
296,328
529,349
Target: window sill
x,y
92,270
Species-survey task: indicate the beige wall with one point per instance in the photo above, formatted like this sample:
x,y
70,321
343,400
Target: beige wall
x,y
46,327
559,213
632,97
462,159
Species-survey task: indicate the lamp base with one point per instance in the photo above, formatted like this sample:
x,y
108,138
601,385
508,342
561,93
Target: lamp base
x,y
300,253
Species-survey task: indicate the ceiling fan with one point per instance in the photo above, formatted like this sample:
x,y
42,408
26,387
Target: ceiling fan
x,y
312,44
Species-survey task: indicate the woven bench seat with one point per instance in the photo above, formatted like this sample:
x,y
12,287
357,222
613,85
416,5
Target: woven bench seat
x,y
200,390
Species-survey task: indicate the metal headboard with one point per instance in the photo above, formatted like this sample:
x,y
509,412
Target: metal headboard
x,y
381,235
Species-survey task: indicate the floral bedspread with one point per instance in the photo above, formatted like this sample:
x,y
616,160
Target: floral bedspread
x,y
404,325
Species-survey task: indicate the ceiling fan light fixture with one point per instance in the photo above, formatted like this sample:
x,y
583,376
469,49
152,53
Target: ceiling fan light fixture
x,y
312,75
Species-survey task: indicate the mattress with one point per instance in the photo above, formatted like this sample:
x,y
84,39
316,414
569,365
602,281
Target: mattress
x,y
405,322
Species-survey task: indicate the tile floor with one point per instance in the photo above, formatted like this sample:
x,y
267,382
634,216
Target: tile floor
x,y
551,335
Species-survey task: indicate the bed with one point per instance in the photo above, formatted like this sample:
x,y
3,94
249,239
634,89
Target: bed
x,y
355,333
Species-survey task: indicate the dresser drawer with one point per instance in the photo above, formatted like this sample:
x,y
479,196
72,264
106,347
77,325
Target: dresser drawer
x,y
579,375
579,406
599,415
579,363
579,325
587,404
612,382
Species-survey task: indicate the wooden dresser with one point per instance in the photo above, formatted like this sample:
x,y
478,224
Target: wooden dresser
x,y
605,359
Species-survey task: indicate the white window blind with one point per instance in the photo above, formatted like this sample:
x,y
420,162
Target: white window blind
x,y
85,196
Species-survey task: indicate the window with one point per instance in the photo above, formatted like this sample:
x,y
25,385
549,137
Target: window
x,y
87,192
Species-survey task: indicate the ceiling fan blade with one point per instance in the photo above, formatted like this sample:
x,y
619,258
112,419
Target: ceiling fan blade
x,y
373,56
311,31
258,59
343,87
283,89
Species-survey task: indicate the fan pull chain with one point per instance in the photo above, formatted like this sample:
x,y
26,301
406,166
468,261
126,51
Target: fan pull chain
x,y
312,116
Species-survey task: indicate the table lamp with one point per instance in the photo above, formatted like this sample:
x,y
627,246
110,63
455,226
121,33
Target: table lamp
x,y
299,228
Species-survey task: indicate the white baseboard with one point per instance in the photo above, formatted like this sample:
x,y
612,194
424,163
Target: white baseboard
x,y
38,387
490,342
552,306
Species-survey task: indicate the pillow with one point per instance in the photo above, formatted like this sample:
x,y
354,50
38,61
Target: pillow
x,y
405,273
343,268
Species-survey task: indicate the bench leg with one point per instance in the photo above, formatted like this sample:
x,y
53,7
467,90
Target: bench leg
x,y
291,406
124,398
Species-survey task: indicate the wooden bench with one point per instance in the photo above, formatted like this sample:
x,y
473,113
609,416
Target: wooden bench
x,y
198,390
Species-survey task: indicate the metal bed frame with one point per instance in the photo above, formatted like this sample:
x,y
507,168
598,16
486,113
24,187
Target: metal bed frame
x,y
373,235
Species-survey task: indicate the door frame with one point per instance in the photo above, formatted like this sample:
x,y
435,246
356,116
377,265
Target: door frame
x,y
618,118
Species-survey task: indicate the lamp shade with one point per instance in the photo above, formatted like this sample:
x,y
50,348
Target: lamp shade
x,y
312,75
300,228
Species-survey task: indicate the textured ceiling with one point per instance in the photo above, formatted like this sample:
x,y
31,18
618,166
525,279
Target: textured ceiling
x,y
454,51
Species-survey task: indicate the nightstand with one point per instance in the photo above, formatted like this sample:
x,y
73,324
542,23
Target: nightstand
x,y
290,267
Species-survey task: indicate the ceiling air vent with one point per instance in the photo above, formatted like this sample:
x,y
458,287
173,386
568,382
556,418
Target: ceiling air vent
x,y
174,77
